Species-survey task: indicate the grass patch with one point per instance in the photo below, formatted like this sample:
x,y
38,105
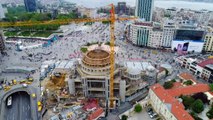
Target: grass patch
x,y
84,50
11,33
42,34
25,33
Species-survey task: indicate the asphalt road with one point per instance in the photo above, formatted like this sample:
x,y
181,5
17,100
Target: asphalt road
x,y
20,109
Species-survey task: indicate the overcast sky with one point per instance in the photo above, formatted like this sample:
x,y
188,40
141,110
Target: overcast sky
x,y
98,3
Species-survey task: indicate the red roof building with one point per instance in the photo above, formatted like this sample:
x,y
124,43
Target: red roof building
x,y
169,97
94,115
206,62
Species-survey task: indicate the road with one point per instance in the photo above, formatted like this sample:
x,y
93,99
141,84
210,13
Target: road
x,y
20,109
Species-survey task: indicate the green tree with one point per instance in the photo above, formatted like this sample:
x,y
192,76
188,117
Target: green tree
x,y
188,82
124,117
138,108
173,80
84,50
197,106
168,85
187,101
211,87
195,116
209,114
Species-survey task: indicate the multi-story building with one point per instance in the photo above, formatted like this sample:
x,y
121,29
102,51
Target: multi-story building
x,y
198,65
155,38
208,42
2,45
144,9
168,34
139,33
90,77
30,5
167,104
207,73
121,8
1,12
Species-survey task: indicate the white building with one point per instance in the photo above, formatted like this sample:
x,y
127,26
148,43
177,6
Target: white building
x,y
208,42
155,38
139,33
168,34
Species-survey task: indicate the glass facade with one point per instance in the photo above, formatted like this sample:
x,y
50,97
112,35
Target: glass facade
x,y
144,9
142,37
189,35
30,5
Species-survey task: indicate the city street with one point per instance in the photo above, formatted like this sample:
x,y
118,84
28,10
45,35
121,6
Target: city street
x,y
20,109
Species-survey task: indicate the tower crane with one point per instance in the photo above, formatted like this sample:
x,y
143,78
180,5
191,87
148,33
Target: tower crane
x,y
112,19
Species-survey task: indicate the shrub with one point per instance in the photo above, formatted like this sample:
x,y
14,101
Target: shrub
x,y
173,80
84,50
124,117
188,82
168,85
197,106
211,87
138,108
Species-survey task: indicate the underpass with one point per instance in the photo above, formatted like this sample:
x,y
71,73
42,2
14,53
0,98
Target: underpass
x,y
20,108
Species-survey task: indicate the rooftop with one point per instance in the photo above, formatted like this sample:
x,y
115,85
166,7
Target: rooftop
x,y
206,62
187,76
210,66
177,108
168,97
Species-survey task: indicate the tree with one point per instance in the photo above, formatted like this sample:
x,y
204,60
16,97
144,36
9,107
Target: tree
x,y
138,108
84,50
197,106
168,85
188,82
124,117
209,114
187,101
211,87
195,116
203,97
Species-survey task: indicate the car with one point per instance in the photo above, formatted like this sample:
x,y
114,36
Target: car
x,y
22,81
33,95
24,85
149,109
151,112
153,116
9,101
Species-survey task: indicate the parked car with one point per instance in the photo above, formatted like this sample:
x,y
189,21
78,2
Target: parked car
x,y
9,101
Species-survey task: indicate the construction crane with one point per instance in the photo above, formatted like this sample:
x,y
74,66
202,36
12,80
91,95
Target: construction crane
x,y
112,21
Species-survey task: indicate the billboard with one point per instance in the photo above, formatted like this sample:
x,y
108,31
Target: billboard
x,y
188,40
185,46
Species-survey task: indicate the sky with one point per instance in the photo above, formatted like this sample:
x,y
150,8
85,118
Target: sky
x,y
158,3
98,3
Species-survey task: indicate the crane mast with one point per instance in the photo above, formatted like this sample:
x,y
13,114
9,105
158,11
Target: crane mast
x,y
112,21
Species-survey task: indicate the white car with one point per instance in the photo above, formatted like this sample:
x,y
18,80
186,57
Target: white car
x,y
9,101
24,85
